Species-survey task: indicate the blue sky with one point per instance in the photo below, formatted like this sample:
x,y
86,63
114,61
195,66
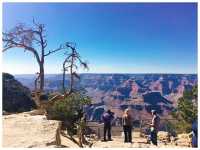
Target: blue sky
x,y
112,37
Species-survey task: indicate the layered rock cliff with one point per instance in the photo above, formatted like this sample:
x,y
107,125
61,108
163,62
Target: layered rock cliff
x,y
16,97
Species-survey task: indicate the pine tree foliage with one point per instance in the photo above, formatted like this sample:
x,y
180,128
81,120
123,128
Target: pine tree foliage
x,y
186,111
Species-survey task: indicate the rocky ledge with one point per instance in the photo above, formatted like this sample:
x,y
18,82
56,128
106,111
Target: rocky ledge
x,y
26,130
31,129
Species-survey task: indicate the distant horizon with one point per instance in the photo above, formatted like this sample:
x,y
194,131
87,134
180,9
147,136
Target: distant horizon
x,y
106,73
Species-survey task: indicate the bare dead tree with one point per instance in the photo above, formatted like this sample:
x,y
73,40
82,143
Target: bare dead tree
x,y
31,39
70,64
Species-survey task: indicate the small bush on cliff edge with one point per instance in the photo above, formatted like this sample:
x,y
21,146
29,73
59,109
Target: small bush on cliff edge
x,y
69,110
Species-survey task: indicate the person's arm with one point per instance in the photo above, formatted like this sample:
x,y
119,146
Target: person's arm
x,y
102,118
122,120
194,128
153,122
113,118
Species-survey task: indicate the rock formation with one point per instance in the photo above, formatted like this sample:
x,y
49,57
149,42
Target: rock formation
x,y
16,97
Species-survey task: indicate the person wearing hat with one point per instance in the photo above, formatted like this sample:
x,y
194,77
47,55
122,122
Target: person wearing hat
x,y
107,118
154,127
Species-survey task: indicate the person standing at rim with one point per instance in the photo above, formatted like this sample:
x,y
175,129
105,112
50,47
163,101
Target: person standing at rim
x,y
127,126
195,133
107,118
154,127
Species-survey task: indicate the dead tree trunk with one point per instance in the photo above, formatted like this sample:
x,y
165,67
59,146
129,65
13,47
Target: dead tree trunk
x,y
41,77
63,83
71,74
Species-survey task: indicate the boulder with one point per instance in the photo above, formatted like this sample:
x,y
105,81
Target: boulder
x,y
183,140
26,131
163,136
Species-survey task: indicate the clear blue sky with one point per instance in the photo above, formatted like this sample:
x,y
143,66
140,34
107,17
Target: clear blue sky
x,y
112,37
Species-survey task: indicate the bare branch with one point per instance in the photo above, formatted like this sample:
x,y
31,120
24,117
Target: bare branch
x,y
11,44
72,65
76,75
36,80
53,51
36,24
71,45
84,64
6,48
45,43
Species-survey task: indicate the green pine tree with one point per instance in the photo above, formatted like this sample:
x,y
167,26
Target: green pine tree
x,y
186,111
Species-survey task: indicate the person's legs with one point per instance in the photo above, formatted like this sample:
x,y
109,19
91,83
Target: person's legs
x,y
154,137
105,131
109,132
130,134
194,141
125,134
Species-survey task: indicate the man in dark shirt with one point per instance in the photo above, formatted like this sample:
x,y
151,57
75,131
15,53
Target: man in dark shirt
x,y
107,118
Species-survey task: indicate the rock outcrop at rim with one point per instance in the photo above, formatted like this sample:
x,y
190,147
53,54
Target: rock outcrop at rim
x,y
32,130
25,130
16,97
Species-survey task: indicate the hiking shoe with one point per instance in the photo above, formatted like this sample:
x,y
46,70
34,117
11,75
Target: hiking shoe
x,y
104,140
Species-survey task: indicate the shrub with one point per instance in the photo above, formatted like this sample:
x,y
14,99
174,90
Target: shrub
x,y
69,110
